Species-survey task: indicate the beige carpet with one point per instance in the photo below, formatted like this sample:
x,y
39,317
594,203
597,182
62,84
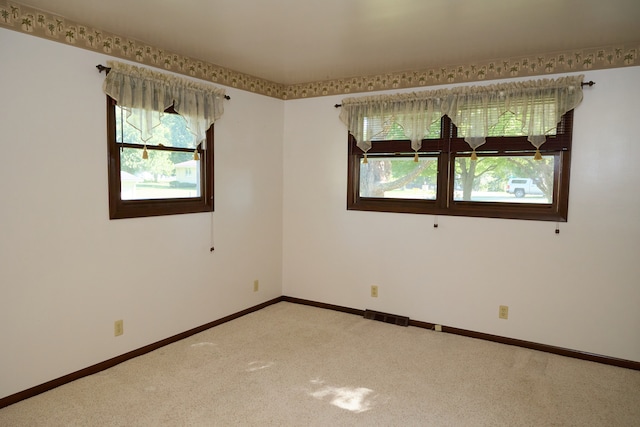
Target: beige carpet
x,y
294,365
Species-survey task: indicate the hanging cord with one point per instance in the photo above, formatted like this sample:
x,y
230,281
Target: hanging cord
x,y
211,249
435,221
557,228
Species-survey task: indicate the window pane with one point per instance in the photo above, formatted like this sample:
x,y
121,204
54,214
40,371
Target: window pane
x,y
386,130
506,124
399,177
171,132
504,179
164,175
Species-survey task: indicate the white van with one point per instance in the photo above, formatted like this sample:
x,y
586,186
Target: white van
x,y
519,187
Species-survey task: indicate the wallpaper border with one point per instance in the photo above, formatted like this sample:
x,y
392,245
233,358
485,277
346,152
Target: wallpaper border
x,y
25,19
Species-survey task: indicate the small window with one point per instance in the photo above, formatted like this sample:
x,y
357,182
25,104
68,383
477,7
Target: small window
x,y
168,174
505,181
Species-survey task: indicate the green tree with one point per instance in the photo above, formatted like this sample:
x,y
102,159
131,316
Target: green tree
x,y
540,171
469,170
380,175
158,162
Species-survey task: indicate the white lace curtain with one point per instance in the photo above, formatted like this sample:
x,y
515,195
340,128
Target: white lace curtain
x,y
537,104
145,94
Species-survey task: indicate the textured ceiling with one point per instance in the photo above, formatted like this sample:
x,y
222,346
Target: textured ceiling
x,y
298,41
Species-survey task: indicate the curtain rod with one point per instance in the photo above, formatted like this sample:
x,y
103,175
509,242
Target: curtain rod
x,y
583,84
106,70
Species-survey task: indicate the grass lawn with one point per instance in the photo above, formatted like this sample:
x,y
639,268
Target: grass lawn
x,y
159,190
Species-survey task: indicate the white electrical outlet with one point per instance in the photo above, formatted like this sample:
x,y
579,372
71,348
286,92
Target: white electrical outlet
x,y
503,312
118,328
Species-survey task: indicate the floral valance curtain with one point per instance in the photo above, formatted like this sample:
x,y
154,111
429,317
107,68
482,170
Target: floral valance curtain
x,y
145,94
537,104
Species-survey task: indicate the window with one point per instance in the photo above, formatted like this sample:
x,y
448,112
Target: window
x,y
168,174
500,151
160,137
504,181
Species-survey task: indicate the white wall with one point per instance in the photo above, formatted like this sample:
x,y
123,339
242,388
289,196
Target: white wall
x,y
67,272
579,289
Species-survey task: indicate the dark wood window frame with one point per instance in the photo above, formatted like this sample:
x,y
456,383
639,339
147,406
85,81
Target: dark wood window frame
x,y
119,208
446,149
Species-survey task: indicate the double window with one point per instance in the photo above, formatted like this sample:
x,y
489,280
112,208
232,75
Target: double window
x,y
503,181
495,172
